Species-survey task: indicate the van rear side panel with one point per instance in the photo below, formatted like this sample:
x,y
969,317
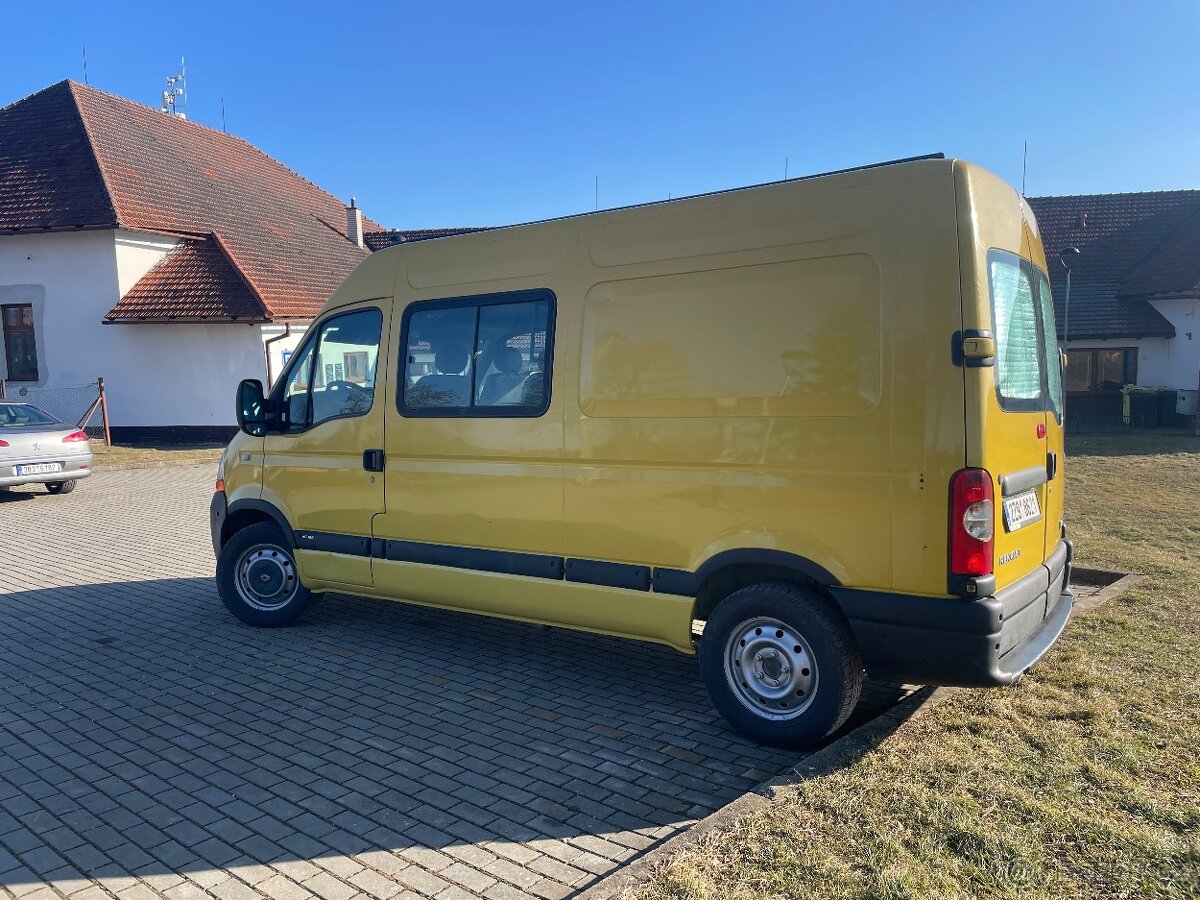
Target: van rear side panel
x,y
772,370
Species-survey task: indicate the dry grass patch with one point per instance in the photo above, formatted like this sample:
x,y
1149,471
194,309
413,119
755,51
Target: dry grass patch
x,y
1084,780
110,458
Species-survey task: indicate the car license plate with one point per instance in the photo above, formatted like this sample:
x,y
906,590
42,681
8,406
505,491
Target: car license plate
x,y
1021,509
39,469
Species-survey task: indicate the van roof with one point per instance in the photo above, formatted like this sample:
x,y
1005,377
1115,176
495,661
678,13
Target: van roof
x,y
744,187
375,275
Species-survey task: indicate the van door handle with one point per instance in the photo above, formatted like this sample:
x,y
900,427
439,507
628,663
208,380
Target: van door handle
x,y
373,460
1051,465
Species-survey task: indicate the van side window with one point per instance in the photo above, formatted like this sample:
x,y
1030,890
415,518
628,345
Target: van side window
x,y
333,375
478,356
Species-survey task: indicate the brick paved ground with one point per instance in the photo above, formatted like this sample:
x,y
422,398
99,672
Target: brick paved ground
x,y
151,745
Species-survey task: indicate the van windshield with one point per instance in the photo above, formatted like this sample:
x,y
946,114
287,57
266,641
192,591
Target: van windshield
x,y
1028,372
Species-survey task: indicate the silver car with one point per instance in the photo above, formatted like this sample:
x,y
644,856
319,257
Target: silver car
x,y
37,448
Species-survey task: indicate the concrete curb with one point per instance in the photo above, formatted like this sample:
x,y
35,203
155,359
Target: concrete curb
x,y
839,753
1115,584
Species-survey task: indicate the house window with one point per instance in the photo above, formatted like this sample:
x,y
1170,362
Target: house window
x,y
20,346
478,356
1101,371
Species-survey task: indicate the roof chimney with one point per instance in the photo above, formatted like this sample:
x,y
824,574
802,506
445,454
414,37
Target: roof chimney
x,y
354,229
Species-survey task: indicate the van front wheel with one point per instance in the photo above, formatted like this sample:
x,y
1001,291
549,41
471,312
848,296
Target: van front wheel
x,y
257,578
780,664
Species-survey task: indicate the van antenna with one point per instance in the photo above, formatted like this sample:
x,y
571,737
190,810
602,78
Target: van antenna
x,y
785,167
597,192
1024,163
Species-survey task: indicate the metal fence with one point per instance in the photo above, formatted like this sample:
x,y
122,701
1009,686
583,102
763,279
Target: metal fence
x,y
82,405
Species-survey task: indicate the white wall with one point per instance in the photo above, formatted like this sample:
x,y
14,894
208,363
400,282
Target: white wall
x,y
179,374
1178,365
137,254
67,276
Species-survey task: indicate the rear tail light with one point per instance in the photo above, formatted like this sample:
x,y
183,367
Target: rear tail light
x,y
3,443
972,522
75,437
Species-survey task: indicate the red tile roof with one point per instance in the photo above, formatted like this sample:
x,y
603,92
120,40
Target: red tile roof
x,y
1132,246
197,281
73,156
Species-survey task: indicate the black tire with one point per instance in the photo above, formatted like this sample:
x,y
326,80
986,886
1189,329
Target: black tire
x,y
258,580
806,672
61,487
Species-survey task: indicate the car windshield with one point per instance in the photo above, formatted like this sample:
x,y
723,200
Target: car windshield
x,y
18,415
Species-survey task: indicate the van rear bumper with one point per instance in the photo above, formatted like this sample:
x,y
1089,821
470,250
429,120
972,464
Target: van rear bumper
x,y
967,643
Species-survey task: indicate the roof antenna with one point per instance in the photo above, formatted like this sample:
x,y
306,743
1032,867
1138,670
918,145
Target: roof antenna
x,y
85,79
176,88
1024,163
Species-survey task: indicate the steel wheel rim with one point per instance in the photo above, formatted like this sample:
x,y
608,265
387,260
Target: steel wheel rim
x,y
266,577
771,668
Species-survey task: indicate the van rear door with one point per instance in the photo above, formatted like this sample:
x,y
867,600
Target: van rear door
x,y
1021,399
1055,413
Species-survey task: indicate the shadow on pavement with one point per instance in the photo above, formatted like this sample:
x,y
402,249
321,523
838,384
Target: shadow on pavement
x,y
143,731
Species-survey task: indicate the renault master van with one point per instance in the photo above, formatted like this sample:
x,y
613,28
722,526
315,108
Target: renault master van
x,y
804,430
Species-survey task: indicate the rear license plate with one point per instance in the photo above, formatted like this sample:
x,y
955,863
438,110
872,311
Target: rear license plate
x,y
39,469
1021,509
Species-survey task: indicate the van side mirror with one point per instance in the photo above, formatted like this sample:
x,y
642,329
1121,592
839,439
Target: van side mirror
x,y
251,408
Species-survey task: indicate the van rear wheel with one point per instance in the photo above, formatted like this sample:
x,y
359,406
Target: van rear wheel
x,y
780,664
258,580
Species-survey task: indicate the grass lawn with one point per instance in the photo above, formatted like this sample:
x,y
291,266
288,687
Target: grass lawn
x,y
1082,781
109,458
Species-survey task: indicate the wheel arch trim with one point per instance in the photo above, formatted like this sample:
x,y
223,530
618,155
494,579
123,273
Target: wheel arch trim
x,y
689,584
269,510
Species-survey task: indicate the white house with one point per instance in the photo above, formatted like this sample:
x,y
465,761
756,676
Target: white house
x,y
156,253
1134,312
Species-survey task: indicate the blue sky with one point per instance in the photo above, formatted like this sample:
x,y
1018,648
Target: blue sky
x,y
490,113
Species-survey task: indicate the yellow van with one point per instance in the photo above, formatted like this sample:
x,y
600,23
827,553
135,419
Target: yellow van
x,y
821,418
